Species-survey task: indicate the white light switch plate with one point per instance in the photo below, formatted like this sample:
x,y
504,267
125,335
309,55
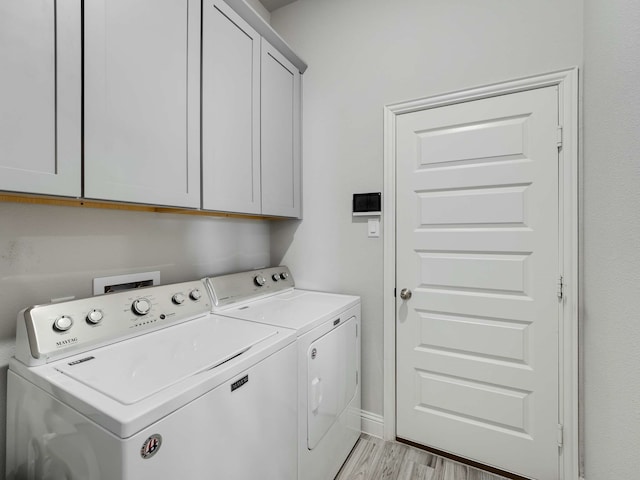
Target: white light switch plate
x,y
373,226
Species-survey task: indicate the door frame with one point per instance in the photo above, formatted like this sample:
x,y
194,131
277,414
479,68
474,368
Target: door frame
x,y
569,181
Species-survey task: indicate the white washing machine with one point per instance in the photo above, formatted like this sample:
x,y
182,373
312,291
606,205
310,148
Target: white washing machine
x,y
328,344
148,384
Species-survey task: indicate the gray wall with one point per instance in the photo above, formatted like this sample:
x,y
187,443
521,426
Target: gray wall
x,y
363,54
611,314
51,252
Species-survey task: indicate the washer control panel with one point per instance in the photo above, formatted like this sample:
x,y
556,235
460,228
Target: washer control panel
x,y
60,329
237,287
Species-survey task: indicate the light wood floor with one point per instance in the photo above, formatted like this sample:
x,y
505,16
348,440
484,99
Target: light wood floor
x,y
375,459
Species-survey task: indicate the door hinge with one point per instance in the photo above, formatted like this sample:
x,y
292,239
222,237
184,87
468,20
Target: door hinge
x,y
394,292
560,288
560,435
357,377
559,137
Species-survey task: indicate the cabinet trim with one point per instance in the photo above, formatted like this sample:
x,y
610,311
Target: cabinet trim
x,y
266,31
82,203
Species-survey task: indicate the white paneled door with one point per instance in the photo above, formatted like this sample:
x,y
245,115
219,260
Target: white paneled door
x,y
478,247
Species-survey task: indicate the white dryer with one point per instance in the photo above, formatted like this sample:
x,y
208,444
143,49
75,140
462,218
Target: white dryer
x,y
148,384
328,339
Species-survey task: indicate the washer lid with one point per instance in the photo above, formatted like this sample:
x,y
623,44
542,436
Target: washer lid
x,y
300,310
135,369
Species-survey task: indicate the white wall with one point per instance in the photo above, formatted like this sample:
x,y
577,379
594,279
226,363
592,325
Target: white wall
x,y
51,252
611,315
363,54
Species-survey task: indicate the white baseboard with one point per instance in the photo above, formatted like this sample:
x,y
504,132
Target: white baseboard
x,y
372,423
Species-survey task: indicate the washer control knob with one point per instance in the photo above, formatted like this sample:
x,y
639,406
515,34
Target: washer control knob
x,y
259,280
275,277
141,306
178,299
95,316
284,275
63,323
195,294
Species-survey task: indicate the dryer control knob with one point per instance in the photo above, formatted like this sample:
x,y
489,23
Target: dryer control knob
x,y
94,316
141,306
63,323
284,275
178,299
195,294
275,277
259,280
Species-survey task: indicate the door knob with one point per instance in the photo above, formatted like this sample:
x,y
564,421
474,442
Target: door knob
x,y
405,294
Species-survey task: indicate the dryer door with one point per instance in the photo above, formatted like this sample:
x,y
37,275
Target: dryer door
x,y
332,375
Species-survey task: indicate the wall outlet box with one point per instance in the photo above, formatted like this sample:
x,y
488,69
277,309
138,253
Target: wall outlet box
x,y
102,285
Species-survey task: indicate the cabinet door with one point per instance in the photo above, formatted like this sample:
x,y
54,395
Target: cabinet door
x,y
40,96
280,134
230,111
141,101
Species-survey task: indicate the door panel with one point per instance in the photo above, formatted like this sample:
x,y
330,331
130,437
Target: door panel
x,y
280,134
230,111
141,101
40,96
478,245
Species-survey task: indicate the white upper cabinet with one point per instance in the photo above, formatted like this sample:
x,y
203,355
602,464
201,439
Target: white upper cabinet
x,y
250,119
141,101
280,134
230,111
40,96
182,103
